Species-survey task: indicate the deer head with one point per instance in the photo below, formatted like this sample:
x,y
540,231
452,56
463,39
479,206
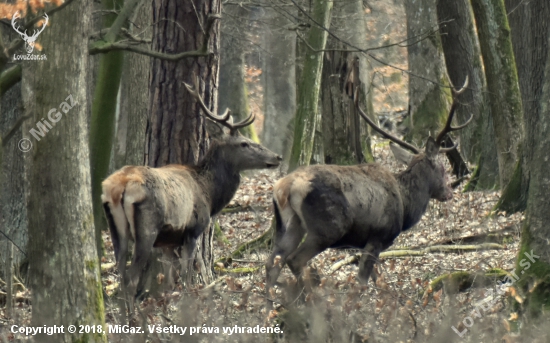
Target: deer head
x,y
242,152
29,40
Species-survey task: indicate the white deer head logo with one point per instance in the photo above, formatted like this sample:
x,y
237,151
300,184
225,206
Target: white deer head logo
x,y
29,40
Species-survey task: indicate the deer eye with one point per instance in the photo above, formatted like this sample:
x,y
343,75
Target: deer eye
x,y
244,145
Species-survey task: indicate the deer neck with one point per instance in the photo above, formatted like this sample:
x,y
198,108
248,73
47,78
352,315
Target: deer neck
x,y
415,195
219,179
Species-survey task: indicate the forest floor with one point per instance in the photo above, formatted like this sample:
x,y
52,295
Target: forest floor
x,y
405,304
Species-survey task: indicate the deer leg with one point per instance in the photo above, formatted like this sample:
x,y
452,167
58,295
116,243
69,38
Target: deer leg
x,y
146,230
187,258
142,249
118,224
368,259
285,244
170,266
311,247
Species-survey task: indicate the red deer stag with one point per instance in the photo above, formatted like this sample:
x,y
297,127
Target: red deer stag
x,y
362,206
171,206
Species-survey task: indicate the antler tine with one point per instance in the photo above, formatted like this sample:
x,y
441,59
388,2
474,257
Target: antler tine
x,y
448,127
464,86
381,131
13,19
35,34
249,120
194,91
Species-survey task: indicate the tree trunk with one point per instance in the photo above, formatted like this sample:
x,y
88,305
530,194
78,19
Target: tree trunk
x,y
233,93
310,84
463,59
534,239
279,82
64,266
132,121
529,27
13,186
13,183
134,97
175,130
343,73
102,123
428,101
502,83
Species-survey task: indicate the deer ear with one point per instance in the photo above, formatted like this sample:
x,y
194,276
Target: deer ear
x,y
214,130
401,154
432,148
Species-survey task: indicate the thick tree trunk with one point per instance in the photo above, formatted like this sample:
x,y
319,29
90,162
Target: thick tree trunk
x,y
132,121
13,185
529,27
463,59
343,74
428,101
13,181
310,84
502,83
534,239
233,93
64,266
175,131
279,82
134,97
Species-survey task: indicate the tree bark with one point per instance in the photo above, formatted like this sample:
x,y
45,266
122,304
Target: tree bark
x,y
175,130
310,84
502,83
134,97
13,185
463,59
529,27
279,82
428,101
13,180
534,239
343,74
64,266
233,93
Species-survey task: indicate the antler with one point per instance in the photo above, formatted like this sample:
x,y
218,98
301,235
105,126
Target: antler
x,y
35,34
224,118
448,127
381,131
17,16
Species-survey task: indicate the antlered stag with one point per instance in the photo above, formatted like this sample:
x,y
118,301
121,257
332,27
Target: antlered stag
x,y
362,206
171,206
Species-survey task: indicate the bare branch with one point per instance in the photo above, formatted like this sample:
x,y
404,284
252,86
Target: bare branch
x,y
121,19
133,38
104,46
366,51
9,77
13,129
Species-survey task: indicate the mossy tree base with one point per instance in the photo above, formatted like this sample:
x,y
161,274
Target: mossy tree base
x,y
460,281
513,198
534,284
